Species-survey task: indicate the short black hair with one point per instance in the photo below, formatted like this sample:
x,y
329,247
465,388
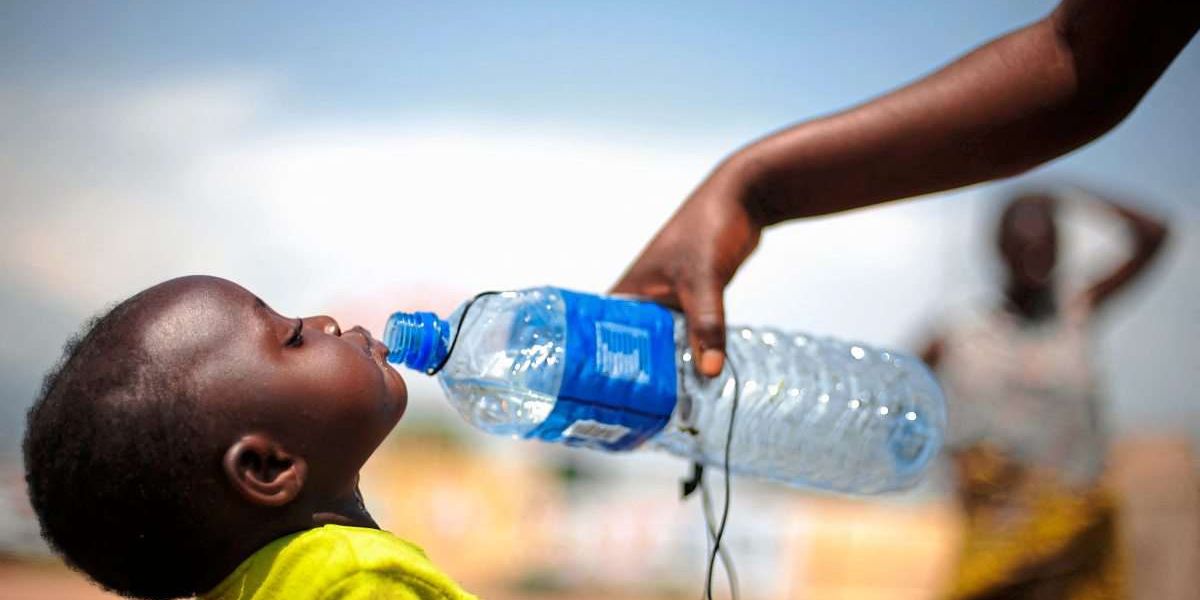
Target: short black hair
x,y
118,465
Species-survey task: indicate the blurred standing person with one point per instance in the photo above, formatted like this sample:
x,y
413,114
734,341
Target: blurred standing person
x,y
1025,433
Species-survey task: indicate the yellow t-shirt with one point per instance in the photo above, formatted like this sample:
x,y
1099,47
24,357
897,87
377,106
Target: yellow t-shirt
x,y
338,562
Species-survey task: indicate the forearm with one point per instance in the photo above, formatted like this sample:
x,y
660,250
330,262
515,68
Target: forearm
x,y
1147,235
1017,102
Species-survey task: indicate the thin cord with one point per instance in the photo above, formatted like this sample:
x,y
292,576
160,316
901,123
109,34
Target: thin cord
x,y
716,549
723,552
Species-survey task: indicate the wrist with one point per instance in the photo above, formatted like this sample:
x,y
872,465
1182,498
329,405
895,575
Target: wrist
x,y
742,174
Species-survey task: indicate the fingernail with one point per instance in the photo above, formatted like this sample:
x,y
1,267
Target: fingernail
x,y
711,362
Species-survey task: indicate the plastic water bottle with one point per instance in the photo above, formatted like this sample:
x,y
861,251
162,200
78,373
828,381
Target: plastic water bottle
x,y
615,374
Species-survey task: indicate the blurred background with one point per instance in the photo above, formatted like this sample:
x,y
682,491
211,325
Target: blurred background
x,y
358,158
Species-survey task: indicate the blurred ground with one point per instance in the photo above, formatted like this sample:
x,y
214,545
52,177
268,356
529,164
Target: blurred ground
x,y
509,527
23,581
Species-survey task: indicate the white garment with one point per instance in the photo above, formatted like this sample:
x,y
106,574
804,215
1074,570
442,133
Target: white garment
x,y
1027,389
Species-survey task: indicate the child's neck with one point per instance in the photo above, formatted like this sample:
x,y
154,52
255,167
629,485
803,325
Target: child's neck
x,y
348,510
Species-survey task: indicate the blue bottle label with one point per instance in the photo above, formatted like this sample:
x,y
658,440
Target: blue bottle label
x,y
619,386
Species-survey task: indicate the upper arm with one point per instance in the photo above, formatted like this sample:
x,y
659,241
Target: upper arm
x,y
1119,48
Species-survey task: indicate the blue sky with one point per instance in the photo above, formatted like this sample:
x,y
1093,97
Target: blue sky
x,y
717,70
143,140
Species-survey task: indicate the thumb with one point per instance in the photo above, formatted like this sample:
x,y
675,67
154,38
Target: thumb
x,y
704,308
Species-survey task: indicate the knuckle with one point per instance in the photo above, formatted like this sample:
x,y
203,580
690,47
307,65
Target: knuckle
x,y
708,327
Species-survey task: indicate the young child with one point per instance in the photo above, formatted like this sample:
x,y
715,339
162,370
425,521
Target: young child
x,y
195,442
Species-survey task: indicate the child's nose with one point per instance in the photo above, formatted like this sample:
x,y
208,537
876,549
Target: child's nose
x,y
324,323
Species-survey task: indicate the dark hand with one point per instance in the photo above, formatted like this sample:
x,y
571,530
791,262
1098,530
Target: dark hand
x,y
692,258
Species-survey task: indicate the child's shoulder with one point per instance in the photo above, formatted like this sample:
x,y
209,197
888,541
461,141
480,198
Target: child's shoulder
x,y
365,545
336,561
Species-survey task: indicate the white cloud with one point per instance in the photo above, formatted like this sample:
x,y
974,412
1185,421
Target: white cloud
x,y
187,114
149,183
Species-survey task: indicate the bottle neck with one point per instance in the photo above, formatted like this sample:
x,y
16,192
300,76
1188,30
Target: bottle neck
x,y
417,340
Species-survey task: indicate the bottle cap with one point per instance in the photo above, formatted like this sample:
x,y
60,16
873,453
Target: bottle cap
x,y
417,340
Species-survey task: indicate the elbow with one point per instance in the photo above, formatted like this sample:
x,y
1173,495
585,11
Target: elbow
x,y
1100,81
1099,107
1068,103
1149,236
1091,108
1153,234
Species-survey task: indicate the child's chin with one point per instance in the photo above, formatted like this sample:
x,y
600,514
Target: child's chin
x,y
400,408
397,396
397,407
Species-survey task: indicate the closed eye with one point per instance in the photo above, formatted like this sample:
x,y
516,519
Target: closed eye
x,y
297,338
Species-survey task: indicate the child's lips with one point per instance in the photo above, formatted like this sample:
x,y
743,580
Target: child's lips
x,y
371,346
377,351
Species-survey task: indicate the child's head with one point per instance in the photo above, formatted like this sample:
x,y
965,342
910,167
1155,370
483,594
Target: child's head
x,y
192,424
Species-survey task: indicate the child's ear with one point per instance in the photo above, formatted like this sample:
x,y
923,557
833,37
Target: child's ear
x,y
263,472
